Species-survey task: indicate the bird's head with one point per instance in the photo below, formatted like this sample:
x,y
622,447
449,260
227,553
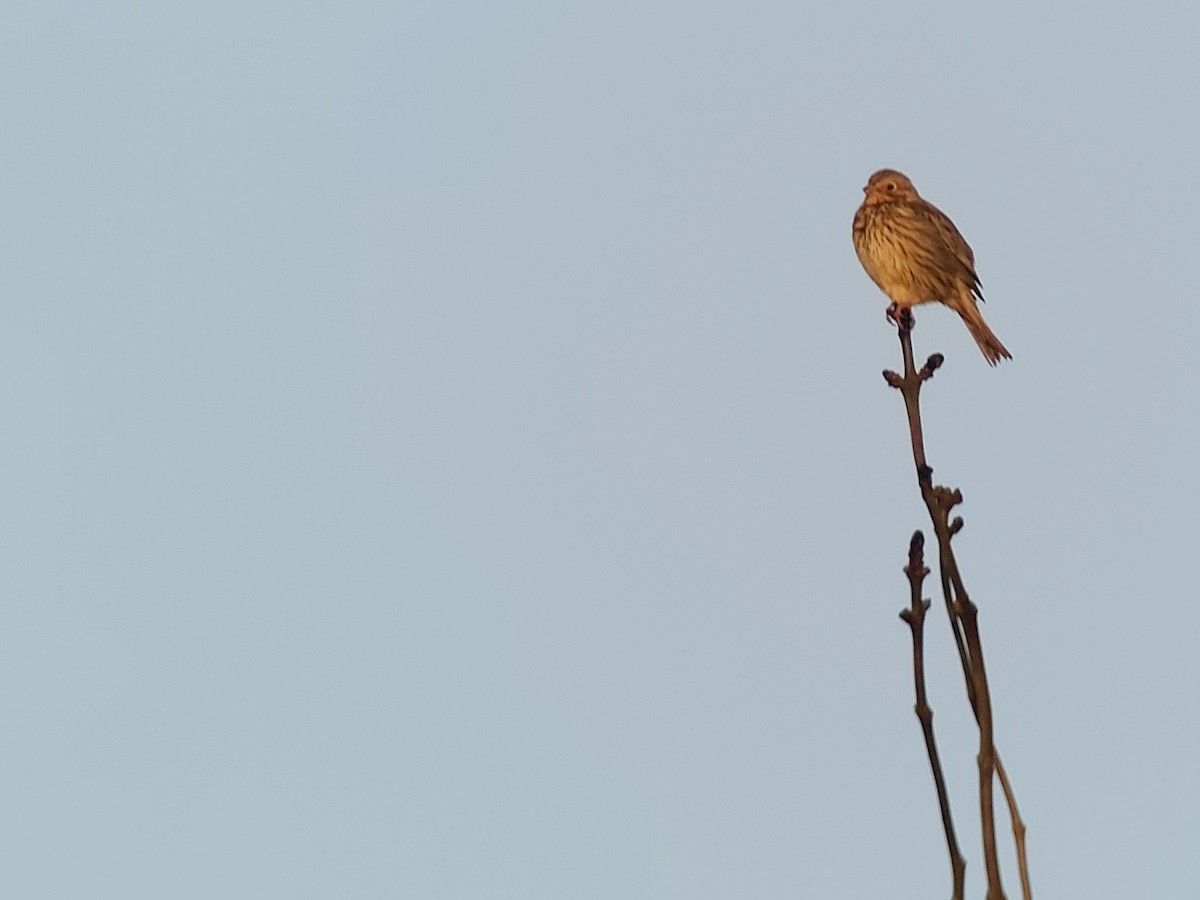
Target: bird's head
x,y
887,186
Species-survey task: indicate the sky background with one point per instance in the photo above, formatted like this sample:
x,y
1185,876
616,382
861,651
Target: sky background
x,y
445,454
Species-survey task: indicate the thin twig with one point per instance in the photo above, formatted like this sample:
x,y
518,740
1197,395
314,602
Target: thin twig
x,y
916,571
1018,827
940,501
1010,797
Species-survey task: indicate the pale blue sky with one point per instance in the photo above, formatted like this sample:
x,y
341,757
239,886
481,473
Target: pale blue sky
x,y
444,453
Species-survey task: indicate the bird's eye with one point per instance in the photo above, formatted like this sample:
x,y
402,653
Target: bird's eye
x,y
891,185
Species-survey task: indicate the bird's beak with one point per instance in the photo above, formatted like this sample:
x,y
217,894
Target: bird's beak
x,y
865,188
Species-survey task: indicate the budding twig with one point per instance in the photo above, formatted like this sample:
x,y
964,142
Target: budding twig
x,y
963,614
916,571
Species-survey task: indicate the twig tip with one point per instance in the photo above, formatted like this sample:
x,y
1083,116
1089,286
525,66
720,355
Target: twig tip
x,y
931,365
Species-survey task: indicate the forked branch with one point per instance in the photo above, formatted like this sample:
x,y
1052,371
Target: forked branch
x,y
963,614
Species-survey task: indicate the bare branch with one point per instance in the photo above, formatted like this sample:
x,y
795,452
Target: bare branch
x,y
963,615
915,617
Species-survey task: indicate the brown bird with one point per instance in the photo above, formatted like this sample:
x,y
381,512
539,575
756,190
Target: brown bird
x,y
912,250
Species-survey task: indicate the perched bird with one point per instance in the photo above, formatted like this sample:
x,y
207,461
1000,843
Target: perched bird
x,y
912,250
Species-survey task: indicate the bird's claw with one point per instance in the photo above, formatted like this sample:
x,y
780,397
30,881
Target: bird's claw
x,y
901,316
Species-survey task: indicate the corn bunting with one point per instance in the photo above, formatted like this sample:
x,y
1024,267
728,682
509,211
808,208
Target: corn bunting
x,y
912,250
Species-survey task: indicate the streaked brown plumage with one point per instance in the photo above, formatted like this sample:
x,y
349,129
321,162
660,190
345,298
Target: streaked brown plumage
x,y
912,250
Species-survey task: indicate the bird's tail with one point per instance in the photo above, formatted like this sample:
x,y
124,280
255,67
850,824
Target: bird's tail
x,y
993,350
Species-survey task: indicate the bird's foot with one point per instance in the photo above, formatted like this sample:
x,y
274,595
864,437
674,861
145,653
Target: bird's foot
x,y
901,316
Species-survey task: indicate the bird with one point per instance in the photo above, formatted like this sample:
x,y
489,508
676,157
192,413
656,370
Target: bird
x,y
913,252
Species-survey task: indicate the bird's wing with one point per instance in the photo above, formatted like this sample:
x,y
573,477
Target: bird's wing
x,y
958,255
